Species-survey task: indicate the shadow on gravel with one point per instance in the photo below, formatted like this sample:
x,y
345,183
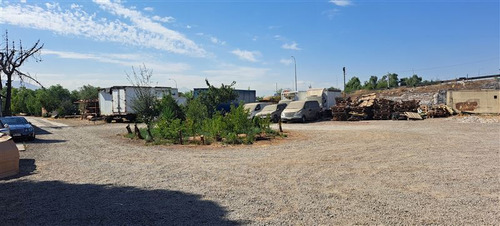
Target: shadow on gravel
x,y
40,131
26,167
44,141
58,203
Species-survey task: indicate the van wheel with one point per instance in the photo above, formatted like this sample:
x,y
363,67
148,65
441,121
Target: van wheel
x,y
303,118
108,120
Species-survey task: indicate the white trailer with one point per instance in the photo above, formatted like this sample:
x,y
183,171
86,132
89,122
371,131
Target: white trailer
x,y
117,102
325,97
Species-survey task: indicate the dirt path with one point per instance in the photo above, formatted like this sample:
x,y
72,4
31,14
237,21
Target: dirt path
x,y
434,171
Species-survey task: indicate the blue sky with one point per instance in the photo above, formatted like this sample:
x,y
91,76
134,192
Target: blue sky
x,y
251,42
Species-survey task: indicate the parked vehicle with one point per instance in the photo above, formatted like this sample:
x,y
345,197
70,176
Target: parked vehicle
x,y
325,97
272,111
243,96
4,129
117,102
254,108
19,127
301,111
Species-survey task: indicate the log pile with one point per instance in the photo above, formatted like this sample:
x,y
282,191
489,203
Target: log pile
x,y
369,107
382,109
407,106
340,111
439,111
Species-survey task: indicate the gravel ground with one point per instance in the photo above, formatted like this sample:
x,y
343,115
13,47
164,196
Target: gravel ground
x,y
435,171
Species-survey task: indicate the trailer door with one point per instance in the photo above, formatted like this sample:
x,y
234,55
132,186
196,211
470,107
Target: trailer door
x,y
119,106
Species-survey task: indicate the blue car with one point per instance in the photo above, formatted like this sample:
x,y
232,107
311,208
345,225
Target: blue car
x,y
19,127
4,129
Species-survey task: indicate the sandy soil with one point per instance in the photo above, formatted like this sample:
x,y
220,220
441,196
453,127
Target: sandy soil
x,y
435,171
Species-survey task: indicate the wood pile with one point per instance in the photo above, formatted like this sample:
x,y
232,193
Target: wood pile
x,y
358,113
382,109
369,107
340,111
438,111
407,106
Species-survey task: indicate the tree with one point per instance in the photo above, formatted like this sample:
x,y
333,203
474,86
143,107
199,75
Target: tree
x,y
352,85
371,83
88,92
11,59
145,103
411,81
189,95
278,92
333,89
393,79
382,83
23,99
214,97
57,98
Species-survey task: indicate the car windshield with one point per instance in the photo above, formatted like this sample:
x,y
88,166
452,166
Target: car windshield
x,y
14,121
296,105
270,108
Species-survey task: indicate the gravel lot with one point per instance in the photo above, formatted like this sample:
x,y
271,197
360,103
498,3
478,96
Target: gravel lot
x,y
436,171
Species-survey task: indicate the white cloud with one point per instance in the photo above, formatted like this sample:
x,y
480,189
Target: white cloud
x,y
75,6
217,41
341,2
167,19
292,46
149,9
246,55
22,1
279,38
139,30
188,26
286,61
129,60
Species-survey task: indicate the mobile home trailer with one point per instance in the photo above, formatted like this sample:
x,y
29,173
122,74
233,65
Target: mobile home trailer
x,y
117,102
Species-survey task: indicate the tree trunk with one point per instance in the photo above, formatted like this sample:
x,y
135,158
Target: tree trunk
x,y
149,132
7,111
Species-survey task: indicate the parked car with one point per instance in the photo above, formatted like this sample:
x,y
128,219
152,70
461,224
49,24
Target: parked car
x,y
301,111
19,127
4,129
254,108
273,111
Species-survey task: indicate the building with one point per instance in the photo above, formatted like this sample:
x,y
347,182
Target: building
x,y
247,96
474,101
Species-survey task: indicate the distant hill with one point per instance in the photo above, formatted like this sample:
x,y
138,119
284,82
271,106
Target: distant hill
x,y
17,84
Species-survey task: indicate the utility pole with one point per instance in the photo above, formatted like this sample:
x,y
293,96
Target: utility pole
x,y
343,69
295,63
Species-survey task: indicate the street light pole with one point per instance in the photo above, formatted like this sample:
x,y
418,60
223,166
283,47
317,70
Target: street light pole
x,y
295,63
174,81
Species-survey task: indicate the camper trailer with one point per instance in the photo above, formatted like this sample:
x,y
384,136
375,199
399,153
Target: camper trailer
x,y
325,97
116,103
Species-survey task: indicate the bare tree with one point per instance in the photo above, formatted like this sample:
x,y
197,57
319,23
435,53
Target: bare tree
x,y
145,104
11,59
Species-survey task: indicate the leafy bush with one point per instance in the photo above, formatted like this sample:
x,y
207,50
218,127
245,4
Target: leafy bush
x,y
196,114
234,127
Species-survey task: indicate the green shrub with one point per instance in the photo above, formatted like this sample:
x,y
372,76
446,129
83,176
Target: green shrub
x,y
196,114
214,127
